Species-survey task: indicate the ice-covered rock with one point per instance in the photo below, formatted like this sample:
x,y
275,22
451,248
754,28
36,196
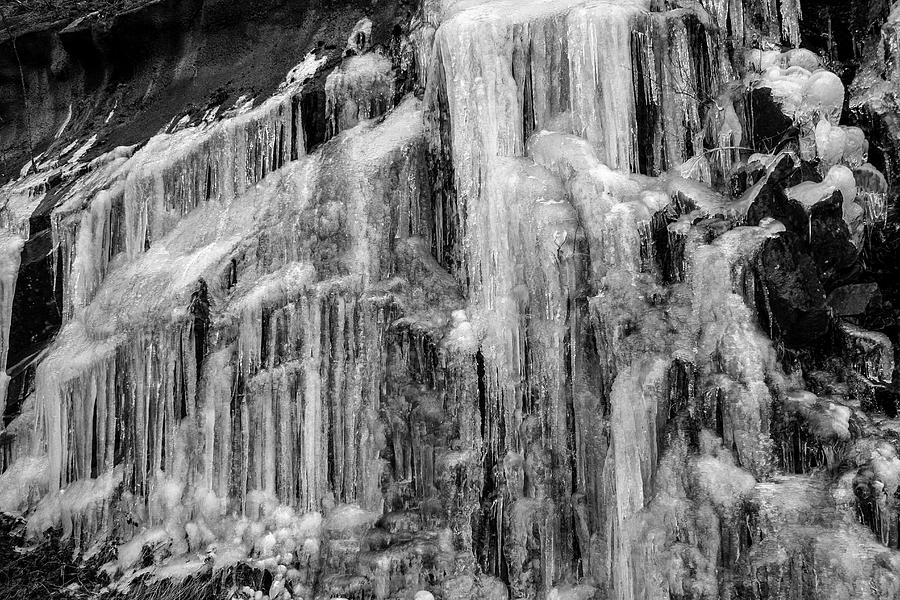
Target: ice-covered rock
x,y
503,341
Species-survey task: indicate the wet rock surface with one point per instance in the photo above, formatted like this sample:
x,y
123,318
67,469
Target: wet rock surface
x,y
794,292
853,299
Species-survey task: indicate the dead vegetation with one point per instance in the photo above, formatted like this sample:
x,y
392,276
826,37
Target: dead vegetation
x,y
47,570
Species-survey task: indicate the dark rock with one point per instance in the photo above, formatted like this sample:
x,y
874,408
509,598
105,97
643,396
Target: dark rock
x,y
35,318
861,390
835,255
713,228
313,115
795,301
887,398
878,116
881,315
852,299
826,383
773,202
786,172
808,171
769,125
744,176
199,309
836,28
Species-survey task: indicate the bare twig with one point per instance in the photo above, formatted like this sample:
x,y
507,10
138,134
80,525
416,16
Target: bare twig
x,y
721,148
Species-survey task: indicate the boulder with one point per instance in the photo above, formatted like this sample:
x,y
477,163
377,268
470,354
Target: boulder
x,y
853,299
773,202
795,298
830,243
770,124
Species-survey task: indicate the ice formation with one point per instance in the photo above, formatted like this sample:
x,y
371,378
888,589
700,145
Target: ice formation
x,y
516,336
361,88
10,257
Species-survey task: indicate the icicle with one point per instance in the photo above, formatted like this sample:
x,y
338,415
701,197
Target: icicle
x,y
94,250
10,256
790,21
634,458
602,93
871,194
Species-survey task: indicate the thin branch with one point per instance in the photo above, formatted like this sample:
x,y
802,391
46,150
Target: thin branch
x,y
721,148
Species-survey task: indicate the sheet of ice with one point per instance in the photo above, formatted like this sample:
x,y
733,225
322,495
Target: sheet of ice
x,y
635,399
361,87
23,484
131,199
828,421
725,482
81,509
732,350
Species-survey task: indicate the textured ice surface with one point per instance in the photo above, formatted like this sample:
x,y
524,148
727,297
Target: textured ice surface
x,y
139,324
362,87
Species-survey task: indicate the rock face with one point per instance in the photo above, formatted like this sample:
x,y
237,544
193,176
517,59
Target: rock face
x,y
794,292
122,75
476,299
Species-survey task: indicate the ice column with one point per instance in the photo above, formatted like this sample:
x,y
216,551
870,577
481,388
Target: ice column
x,y
10,256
